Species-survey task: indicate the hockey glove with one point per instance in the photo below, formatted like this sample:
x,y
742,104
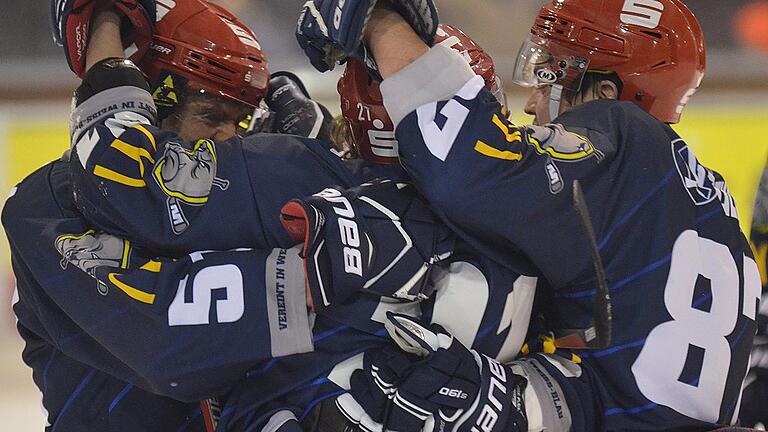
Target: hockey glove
x,y
293,112
329,31
70,21
440,385
379,238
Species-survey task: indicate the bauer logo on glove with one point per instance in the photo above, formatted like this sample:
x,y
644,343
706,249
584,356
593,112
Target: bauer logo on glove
x,y
379,238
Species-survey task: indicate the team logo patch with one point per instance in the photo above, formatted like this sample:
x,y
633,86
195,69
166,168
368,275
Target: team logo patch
x,y
701,183
91,250
560,144
187,176
555,178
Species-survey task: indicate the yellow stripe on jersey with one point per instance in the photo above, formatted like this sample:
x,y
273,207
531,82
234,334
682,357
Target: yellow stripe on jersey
x,y
489,151
133,152
132,292
108,174
126,254
148,134
152,266
511,137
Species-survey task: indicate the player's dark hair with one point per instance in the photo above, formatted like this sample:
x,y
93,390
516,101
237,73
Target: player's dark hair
x,y
592,78
210,108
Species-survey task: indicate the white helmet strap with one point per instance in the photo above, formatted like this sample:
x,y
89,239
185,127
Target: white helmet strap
x,y
555,96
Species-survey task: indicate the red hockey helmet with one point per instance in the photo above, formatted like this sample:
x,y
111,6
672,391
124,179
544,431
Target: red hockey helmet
x,y
371,130
209,49
656,47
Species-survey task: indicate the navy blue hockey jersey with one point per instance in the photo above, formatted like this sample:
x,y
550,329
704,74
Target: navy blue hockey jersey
x,y
148,186
190,327
84,386
684,284
107,305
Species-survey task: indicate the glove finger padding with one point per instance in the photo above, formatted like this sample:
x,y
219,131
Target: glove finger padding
x,y
448,375
379,238
71,21
330,30
375,385
294,111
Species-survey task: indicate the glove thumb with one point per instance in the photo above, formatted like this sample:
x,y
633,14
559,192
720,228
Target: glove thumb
x,y
412,337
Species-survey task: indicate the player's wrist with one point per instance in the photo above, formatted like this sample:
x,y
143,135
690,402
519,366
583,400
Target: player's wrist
x,y
392,41
104,40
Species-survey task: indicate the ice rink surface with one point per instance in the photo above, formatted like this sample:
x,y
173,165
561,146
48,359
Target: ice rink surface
x,y
19,399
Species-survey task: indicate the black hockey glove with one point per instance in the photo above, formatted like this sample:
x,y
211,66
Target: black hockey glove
x,y
380,238
293,112
433,384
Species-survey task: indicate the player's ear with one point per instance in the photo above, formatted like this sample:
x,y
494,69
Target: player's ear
x,y
606,89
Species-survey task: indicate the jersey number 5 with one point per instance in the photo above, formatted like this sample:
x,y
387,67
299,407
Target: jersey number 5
x,y
192,304
666,351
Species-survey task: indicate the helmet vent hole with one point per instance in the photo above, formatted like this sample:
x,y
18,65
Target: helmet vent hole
x,y
255,59
655,35
192,65
219,75
659,64
219,66
196,55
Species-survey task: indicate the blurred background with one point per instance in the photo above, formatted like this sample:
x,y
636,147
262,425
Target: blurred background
x,y
726,122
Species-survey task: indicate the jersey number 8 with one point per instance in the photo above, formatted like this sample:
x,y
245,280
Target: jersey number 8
x,y
663,357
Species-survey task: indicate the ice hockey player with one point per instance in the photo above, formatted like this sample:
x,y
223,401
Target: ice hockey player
x,y
607,77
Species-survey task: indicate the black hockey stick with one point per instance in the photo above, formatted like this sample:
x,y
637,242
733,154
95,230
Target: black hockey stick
x,y
598,335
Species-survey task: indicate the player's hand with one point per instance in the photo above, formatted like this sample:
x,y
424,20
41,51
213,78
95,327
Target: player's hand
x,y
71,20
293,112
432,384
330,31
379,238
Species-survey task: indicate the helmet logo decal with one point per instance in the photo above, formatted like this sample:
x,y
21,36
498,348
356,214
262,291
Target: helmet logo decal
x,y
454,43
644,13
165,94
546,76
245,37
163,7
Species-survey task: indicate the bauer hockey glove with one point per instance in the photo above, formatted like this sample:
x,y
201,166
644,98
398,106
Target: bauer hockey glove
x,y
379,238
434,384
71,19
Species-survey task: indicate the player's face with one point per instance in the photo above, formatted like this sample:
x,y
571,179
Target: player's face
x,y
538,105
191,128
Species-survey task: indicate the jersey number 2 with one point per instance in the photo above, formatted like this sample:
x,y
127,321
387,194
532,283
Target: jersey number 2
x,y
658,368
